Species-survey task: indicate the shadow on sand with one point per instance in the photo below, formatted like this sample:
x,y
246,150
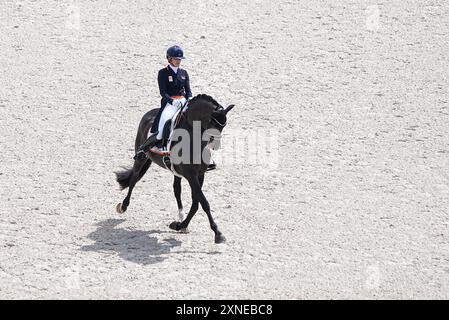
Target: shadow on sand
x,y
132,245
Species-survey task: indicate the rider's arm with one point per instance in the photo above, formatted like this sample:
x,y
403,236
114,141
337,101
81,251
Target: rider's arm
x,y
162,81
187,86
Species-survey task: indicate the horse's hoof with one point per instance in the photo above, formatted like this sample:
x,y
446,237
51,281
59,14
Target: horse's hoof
x,y
119,208
184,230
175,225
220,238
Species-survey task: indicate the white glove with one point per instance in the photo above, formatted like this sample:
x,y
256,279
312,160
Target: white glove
x,y
177,103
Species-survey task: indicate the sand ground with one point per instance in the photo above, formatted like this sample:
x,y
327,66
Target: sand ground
x,y
354,203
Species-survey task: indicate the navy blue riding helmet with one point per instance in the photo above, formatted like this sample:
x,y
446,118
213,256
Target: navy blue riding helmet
x,y
175,52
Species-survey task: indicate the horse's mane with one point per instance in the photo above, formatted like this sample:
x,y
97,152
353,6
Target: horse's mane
x,y
206,98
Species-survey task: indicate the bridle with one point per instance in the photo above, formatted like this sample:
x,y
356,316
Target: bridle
x,y
222,125
218,122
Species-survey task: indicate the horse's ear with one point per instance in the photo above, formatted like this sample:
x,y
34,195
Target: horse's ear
x,y
229,108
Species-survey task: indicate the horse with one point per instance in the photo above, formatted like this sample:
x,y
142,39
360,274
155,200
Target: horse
x,y
204,113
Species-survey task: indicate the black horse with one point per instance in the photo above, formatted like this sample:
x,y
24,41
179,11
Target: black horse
x,y
203,113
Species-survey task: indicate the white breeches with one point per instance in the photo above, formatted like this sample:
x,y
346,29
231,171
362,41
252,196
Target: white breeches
x,y
168,112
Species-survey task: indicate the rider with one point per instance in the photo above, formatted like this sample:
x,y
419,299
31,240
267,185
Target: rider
x,y
174,87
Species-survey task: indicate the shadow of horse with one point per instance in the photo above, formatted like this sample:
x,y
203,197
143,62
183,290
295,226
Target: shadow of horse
x,y
133,245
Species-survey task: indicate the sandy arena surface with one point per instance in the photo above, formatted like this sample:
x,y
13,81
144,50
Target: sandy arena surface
x,y
354,204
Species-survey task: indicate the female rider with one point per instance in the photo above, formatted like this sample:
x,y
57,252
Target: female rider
x,y
174,87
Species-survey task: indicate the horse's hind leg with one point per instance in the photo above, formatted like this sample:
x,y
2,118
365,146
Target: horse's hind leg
x,y
139,169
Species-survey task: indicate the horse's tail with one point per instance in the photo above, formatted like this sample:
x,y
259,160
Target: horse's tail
x,y
123,177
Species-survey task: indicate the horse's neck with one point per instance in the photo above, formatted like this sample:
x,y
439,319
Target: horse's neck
x,y
200,110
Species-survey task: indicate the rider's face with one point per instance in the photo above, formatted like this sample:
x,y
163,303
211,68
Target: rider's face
x,y
175,62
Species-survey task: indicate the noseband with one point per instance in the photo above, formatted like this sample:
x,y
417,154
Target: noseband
x,y
218,122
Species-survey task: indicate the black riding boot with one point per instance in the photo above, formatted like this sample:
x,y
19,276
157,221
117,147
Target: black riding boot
x,y
211,166
144,147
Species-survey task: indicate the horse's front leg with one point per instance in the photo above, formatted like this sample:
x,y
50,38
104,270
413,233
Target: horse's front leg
x,y
184,223
177,191
196,186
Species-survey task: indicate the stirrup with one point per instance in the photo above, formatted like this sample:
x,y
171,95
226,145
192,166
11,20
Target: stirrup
x,y
167,162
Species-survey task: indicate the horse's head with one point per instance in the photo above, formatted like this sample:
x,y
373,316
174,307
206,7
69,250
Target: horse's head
x,y
212,116
218,118
217,122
